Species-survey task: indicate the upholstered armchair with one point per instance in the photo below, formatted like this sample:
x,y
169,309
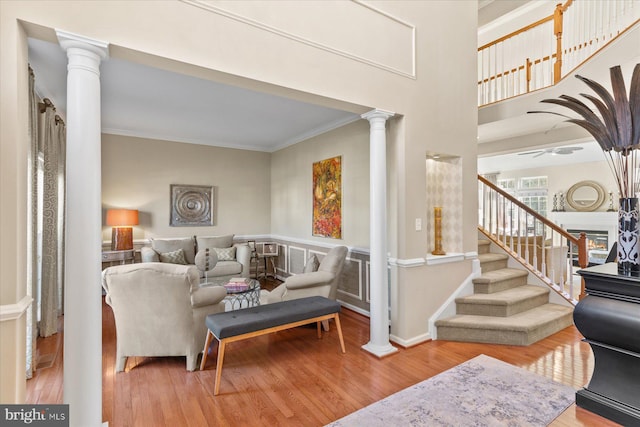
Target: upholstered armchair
x,y
323,282
159,310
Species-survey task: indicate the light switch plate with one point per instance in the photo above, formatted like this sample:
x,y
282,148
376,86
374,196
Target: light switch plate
x,y
418,224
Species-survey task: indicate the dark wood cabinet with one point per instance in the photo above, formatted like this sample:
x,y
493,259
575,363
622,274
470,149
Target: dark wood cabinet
x,y
609,319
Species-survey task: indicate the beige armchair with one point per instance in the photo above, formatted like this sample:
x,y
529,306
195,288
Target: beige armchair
x,y
323,282
159,310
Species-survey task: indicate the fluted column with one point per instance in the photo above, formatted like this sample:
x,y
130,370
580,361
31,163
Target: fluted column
x,y
378,343
83,295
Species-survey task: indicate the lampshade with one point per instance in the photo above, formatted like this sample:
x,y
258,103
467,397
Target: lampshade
x,y
122,217
121,234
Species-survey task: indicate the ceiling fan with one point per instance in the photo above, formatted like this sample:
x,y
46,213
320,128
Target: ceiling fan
x,y
552,151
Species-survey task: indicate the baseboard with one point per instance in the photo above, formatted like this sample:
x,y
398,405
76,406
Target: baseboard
x,y
410,342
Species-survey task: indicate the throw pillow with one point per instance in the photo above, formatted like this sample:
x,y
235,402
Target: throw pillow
x,y
214,241
226,254
175,257
170,245
311,265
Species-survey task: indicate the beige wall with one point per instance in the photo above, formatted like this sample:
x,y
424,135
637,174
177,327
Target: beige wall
x,y
435,101
292,192
137,174
561,178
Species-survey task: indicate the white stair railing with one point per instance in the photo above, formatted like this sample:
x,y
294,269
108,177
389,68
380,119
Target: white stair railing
x,y
537,243
542,53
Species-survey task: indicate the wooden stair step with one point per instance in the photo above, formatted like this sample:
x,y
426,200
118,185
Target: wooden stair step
x,y
504,303
520,329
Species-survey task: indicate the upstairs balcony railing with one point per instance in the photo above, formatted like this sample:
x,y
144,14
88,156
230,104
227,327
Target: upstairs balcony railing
x,y
541,54
541,246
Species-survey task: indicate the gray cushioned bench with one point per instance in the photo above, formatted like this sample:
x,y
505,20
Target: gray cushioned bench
x,y
251,322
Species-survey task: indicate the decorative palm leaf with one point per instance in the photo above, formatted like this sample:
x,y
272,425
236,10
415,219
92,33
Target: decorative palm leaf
x,y
616,129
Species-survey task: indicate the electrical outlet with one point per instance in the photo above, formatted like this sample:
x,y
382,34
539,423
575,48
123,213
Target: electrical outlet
x,y
418,224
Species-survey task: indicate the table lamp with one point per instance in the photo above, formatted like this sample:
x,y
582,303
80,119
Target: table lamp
x,y
122,233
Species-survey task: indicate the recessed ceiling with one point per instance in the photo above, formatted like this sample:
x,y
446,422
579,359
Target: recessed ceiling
x,y
138,100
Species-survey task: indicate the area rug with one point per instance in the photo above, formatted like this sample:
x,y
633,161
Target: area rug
x,y
480,392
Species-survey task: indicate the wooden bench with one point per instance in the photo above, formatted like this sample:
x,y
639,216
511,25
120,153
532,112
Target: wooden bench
x,y
255,321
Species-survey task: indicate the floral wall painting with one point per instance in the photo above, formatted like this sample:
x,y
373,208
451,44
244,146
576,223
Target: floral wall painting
x,y
327,198
191,205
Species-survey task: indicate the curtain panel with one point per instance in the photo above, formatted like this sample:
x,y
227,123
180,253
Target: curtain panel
x,y
45,278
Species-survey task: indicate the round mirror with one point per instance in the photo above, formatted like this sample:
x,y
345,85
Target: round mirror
x,y
586,196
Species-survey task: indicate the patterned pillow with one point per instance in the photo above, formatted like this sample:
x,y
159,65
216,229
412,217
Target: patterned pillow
x,y
226,254
311,265
175,257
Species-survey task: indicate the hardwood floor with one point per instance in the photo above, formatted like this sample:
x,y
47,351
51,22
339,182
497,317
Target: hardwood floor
x,y
291,378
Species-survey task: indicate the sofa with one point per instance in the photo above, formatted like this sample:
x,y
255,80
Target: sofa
x,y
234,260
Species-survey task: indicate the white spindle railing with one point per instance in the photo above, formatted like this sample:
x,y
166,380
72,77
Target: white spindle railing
x,y
590,25
540,54
541,246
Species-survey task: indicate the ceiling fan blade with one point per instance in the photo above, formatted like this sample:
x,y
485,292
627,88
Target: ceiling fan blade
x,y
530,152
538,155
566,150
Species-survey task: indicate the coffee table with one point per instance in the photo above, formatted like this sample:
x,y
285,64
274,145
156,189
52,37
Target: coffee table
x,y
238,299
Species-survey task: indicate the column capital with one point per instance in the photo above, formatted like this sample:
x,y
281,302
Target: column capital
x,y
69,40
377,114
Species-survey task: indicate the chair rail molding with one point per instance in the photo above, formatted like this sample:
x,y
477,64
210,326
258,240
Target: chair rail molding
x,y
14,311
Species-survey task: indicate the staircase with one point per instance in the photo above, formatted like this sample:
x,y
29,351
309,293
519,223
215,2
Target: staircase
x,y
503,309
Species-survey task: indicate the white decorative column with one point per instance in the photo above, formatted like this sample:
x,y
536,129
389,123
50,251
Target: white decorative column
x,y
379,343
83,293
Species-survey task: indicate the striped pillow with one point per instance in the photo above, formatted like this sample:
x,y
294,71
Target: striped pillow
x,y
175,257
226,254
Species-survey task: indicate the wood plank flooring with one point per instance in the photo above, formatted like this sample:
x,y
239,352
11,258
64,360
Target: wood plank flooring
x,y
290,378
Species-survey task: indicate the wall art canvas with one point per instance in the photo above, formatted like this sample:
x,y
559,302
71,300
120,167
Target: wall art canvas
x,y
327,198
191,205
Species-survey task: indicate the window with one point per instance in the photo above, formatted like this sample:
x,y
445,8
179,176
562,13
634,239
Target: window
x,y
508,185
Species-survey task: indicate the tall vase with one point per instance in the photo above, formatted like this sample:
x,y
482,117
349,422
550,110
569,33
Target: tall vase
x,y
628,237
437,220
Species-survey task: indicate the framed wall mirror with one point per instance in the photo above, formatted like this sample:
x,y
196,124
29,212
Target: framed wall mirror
x,y
586,196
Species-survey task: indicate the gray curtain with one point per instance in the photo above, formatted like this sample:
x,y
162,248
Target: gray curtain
x,y
32,229
52,151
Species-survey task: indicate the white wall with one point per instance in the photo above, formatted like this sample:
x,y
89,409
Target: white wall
x,y
137,174
561,178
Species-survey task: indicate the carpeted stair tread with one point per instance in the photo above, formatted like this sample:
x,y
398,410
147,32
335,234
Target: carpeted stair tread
x,y
510,296
490,256
504,303
492,261
499,280
483,246
524,322
498,275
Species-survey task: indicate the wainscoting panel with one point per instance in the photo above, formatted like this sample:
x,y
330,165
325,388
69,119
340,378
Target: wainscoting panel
x,y
367,283
352,279
297,258
281,260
